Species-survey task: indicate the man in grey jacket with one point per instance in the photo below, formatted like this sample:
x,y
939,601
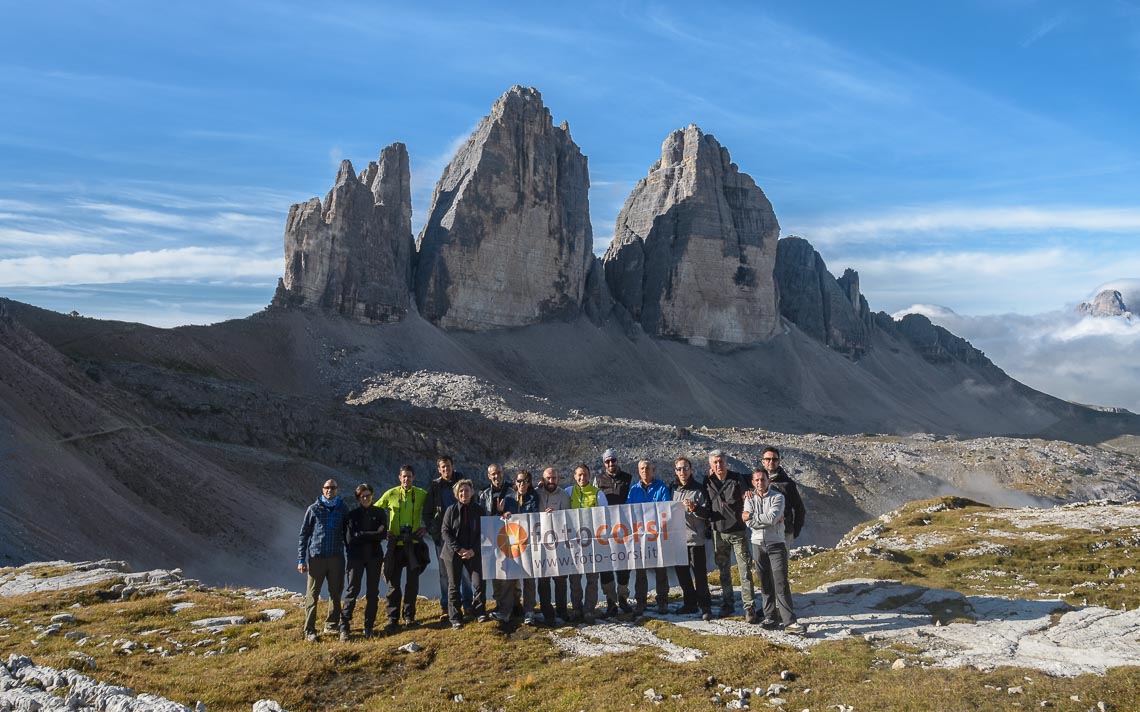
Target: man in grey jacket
x,y
764,516
550,498
689,491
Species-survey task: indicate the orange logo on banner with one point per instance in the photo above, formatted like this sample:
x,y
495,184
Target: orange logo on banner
x,y
512,540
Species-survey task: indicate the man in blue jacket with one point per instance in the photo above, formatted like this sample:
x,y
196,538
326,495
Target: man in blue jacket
x,y
649,489
320,554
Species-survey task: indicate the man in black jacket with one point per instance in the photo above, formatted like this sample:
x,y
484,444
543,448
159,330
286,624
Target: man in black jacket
x,y
615,483
440,496
726,501
367,530
795,514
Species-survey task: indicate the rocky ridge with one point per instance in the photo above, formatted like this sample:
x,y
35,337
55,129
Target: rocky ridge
x,y
831,311
694,247
352,254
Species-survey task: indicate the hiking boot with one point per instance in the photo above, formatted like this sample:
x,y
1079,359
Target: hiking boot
x,y
706,615
369,633
662,607
482,618
311,636
391,626
769,624
751,616
588,618
688,609
726,612
623,603
611,609
456,625
795,628
412,623
344,635
638,608
528,619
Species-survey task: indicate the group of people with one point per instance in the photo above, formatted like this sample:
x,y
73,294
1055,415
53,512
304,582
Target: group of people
x,y
754,518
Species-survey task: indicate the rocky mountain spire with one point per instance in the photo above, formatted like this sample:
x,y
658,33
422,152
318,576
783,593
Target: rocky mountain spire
x,y
508,240
1108,302
694,247
829,310
353,253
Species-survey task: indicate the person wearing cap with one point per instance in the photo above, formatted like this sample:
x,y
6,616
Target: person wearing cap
x,y
584,600
614,483
320,555
649,489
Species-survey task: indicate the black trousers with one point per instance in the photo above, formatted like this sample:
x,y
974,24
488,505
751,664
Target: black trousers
x,y
696,596
400,567
559,602
458,571
366,571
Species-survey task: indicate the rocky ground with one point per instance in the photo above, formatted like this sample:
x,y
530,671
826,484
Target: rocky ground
x,y
1034,627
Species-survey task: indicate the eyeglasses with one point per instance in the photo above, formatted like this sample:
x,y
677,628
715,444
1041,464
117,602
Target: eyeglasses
x,y
769,459
609,461
522,482
330,489
682,468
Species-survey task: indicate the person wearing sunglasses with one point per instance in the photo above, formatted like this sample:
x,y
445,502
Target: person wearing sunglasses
x,y
795,514
320,555
522,501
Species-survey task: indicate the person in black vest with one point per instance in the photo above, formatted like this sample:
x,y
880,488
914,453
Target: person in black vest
x,y
614,483
795,514
459,529
367,530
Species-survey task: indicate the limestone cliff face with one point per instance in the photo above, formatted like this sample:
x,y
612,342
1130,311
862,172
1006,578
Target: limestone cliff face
x,y
508,240
353,253
830,310
694,247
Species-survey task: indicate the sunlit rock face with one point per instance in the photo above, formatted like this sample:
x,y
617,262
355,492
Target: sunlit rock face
x,y
508,240
353,253
694,247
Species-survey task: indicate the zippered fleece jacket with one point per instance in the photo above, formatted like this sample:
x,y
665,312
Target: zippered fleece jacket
x,y
764,512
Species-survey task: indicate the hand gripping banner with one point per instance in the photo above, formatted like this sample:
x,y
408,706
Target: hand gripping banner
x,y
578,541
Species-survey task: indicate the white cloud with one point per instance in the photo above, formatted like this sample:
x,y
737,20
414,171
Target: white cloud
x,y
135,215
186,263
977,219
1087,359
13,237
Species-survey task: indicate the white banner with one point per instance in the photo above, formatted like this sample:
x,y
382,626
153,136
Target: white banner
x,y
576,541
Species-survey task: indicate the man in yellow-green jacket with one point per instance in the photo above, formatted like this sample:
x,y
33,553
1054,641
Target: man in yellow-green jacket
x,y
582,495
407,552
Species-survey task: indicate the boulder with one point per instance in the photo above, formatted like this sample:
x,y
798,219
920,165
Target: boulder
x,y
352,254
508,240
829,310
694,247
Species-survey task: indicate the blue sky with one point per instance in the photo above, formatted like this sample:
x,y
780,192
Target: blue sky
x,y
976,155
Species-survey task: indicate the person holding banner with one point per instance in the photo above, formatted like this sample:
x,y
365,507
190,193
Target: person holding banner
x,y
407,551
649,489
730,536
551,497
461,552
582,495
521,501
615,483
696,501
